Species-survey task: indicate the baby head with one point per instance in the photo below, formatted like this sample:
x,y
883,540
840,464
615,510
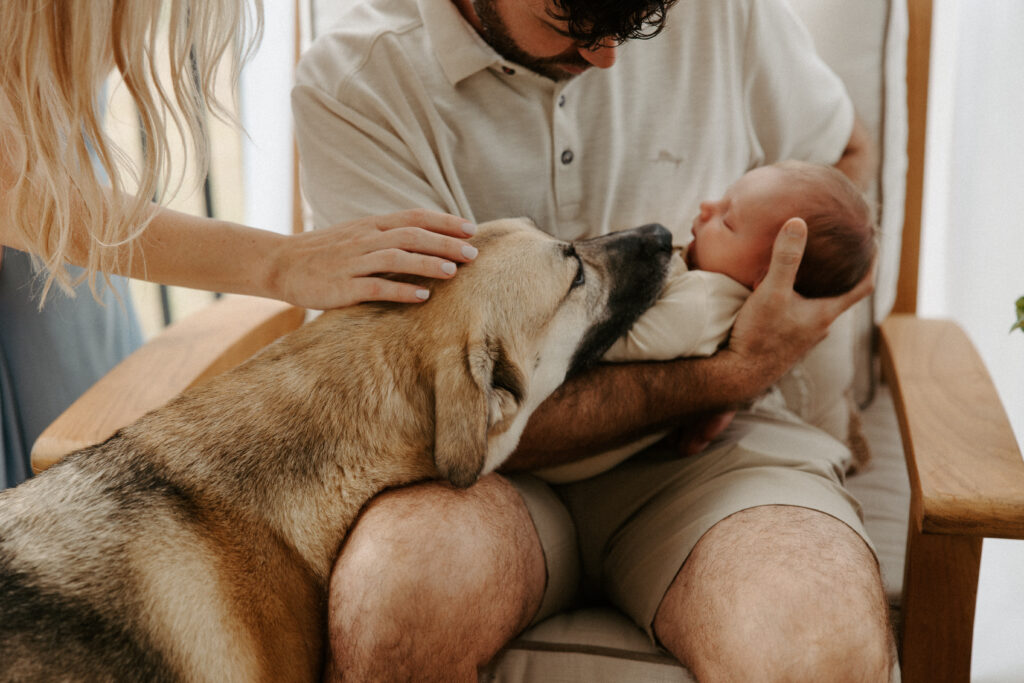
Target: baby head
x,y
734,234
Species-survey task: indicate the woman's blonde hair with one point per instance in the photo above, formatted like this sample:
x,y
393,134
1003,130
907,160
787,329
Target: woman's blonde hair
x,y
54,58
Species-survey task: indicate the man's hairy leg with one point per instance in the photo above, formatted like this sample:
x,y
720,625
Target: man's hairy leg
x,y
432,582
779,593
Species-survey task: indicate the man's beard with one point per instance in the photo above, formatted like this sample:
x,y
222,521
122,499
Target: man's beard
x,y
496,33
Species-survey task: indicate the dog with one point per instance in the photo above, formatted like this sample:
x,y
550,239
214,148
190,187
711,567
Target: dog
x,y
196,544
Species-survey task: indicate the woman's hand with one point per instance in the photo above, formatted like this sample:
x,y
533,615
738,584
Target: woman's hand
x,y
341,265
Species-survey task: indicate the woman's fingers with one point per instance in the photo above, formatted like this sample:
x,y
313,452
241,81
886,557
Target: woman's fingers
x,y
403,262
433,221
358,290
423,242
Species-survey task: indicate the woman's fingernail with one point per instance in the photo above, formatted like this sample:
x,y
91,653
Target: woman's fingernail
x,y
422,294
469,228
470,251
448,267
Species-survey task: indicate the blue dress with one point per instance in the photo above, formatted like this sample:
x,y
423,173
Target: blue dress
x,y
49,357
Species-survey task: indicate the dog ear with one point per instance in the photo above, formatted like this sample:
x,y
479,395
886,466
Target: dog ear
x,y
472,394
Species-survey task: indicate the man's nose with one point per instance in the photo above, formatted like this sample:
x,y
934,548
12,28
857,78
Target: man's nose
x,y
601,56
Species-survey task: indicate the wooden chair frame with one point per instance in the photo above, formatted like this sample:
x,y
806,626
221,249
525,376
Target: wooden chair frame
x,y
966,472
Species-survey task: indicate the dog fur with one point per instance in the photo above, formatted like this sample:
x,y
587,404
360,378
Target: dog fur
x,y
196,543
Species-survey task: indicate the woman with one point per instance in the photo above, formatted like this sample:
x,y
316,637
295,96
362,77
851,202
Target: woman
x,y
57,212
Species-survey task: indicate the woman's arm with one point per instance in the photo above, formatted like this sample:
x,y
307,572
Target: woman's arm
x,y
323,269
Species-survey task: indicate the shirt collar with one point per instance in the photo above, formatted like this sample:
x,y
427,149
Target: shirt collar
x,y
458,47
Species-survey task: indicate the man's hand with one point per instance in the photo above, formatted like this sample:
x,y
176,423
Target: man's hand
x,y
695,433
776,326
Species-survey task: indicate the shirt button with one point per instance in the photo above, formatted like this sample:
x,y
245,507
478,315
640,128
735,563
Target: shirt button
x,y
567,156
509,70
561,100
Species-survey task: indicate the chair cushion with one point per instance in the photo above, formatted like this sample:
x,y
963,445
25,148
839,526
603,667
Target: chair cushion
x,y
598,644
864,42
593,645
883,490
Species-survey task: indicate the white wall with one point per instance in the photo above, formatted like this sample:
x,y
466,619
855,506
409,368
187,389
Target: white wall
x,y
973,262
266,115
972,266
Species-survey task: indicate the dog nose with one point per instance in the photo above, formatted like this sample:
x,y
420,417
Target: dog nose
x,y
658,233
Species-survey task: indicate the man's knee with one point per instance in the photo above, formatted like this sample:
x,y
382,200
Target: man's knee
x,y
440,564
779,593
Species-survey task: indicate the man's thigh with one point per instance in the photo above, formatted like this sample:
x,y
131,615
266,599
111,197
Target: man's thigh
x,y
779,592
462,568
638,523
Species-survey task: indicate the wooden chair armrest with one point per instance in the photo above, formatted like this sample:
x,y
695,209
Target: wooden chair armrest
x,y
966,472
202,345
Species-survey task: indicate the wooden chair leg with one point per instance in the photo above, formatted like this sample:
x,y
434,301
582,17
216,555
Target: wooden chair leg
x,y
939,592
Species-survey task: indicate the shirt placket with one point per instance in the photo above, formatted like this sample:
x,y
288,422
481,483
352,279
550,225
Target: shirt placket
x,y
567,157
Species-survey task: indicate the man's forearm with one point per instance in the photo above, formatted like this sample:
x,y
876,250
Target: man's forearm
x,y
616,402
860,158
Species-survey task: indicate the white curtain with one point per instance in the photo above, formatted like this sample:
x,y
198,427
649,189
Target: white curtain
x,y
973,254
972,266
265,105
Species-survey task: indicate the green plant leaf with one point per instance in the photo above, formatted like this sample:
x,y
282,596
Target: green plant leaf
x,y
1019,325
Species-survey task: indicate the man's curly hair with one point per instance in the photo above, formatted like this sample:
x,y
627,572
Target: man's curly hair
x,y
594,22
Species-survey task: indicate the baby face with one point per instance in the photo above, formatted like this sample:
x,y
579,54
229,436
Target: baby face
x,y
734,235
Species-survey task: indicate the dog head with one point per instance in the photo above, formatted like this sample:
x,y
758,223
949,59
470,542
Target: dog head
x,y
528,312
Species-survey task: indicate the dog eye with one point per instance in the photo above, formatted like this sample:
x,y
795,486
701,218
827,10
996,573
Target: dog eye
x,y
581,275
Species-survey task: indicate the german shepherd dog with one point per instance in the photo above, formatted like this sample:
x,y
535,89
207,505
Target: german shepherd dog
x,y
196,543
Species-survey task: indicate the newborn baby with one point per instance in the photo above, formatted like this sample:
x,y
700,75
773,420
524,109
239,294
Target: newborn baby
x,y
727,258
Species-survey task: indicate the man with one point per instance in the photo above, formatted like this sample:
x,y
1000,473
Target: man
x,y
748,561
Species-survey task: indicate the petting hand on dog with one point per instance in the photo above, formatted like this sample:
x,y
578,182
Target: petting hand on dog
x,y
775,328
340,266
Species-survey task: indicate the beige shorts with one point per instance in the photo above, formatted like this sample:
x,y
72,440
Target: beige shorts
x,y
625,534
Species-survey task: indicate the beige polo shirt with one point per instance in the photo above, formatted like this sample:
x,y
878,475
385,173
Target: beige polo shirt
x,y
404,105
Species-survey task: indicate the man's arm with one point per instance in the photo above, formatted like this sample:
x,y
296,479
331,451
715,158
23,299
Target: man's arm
x,y
616,402
859,161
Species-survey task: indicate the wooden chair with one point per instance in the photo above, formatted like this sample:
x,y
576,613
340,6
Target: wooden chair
x,y
935,403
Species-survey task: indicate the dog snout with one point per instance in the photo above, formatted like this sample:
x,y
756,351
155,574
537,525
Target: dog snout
x,y
635,264
658,234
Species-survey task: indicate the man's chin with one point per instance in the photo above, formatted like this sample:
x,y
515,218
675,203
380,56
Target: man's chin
x,y
573,69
